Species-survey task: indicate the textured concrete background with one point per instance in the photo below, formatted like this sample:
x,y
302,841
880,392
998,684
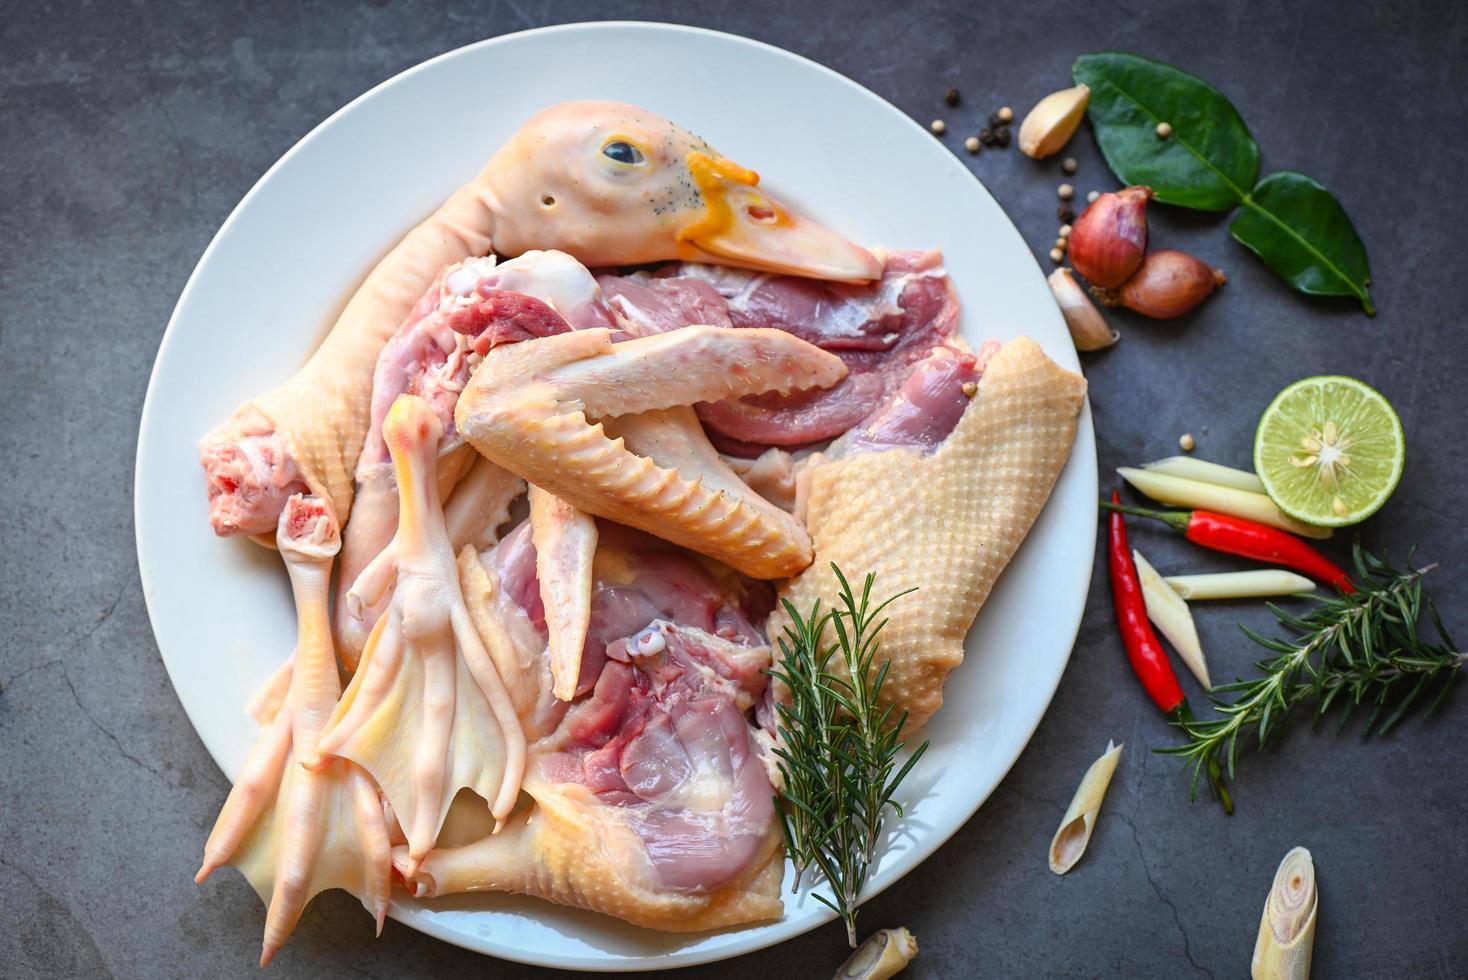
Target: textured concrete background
x,y
128,132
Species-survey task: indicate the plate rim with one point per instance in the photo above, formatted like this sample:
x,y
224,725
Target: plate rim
x,y
410,914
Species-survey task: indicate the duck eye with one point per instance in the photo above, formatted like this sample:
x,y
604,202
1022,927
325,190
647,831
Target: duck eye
x,y
623,152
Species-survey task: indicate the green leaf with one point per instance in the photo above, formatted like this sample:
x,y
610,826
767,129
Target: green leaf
x,y
1301,232
1209,162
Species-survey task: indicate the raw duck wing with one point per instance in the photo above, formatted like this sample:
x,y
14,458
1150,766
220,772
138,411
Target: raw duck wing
x,y
293,832
652,801
531,408
941,511
426,713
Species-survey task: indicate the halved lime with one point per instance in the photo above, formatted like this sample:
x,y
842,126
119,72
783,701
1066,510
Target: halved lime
x,y
1330,450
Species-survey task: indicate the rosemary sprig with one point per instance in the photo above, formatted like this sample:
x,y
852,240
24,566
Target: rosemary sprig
x,y
837,745
1354,649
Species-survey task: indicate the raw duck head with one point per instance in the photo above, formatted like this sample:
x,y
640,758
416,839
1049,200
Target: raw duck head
x,y
614,184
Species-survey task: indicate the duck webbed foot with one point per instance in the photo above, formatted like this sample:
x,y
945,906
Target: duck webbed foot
x,y
426,713
293,832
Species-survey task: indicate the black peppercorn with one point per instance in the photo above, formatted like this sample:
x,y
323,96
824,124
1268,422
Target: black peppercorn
x,y
1001,136
951,96
1065,214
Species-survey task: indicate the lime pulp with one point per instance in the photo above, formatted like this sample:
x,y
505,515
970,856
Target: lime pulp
x,y
1329,450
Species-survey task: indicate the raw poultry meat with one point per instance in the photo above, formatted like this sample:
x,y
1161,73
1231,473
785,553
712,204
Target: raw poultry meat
x,y
293,832
652,801
609,183
426,713
535,408
610,674
430,356
880,330
964,500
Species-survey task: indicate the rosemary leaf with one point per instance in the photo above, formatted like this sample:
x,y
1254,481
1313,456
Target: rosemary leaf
x,y
838,746
1363,649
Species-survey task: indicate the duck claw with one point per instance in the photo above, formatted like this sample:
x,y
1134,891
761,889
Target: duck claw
x,y
295,832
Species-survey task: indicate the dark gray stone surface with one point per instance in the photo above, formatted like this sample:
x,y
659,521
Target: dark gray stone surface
x,y
129,130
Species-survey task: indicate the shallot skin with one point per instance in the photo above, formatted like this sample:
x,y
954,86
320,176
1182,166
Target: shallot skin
x,y
1169,284
1109,240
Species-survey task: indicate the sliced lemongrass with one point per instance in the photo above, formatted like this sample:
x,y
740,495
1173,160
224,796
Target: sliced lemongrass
x,y
1170,614
1287,927
1258,584
885,953
1181,492
1070,841
1205,472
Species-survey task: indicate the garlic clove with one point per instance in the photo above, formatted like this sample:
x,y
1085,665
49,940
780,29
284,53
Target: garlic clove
x,y
1053,121
1088,328
1108,242
1169,284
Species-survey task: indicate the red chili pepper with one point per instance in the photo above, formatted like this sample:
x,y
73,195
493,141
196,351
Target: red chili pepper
x,y
1143,649
1249,539
1149,661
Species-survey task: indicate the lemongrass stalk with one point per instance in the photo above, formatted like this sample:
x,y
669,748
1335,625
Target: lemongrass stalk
x,y
1287,927
1225,500
1170,614
885,953
1203,471
1258,584
1074,834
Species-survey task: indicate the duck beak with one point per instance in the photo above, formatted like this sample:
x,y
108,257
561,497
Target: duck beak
x,y
741,225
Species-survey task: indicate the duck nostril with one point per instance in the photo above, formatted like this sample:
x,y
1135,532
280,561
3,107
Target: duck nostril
x,y
760,212
548,201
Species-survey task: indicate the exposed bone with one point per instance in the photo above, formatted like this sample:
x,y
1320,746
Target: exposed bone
x,y
293,832
528,407
426,713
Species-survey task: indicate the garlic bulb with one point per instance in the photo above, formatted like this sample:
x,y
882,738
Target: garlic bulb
x,y
883,954
1070,841
1053,121
1287,927
1088,328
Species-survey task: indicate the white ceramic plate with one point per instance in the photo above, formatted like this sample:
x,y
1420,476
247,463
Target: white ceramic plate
x,y
294,249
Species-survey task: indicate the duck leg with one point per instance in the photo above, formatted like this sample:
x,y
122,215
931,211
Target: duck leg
x,y
294,832
529,408
964,500
426,713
